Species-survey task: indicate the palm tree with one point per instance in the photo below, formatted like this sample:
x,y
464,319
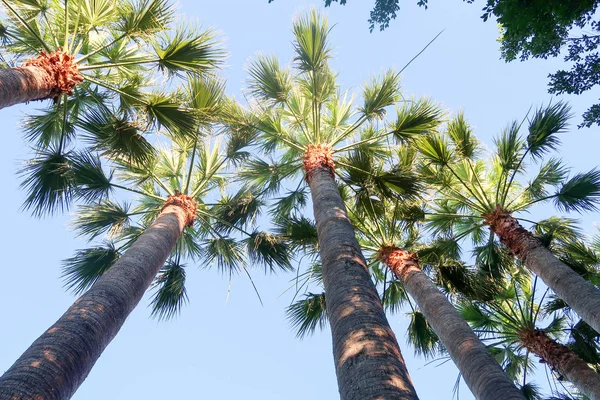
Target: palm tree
x,y
510,322
472,193
95,43
301,118
388,237
175,221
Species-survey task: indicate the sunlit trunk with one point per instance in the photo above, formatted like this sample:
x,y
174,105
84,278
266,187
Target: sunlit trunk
x,y
367,357
480,370
40,78
564,361
56,364
24,84
578,293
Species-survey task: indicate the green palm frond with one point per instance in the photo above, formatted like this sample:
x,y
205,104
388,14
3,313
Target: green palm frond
x,y
531,391
86,266
115,137
225,252
240,210
552,173
163,111
379,94
145,17
394,297
268,81
105,217
300,232
170,292
268,250
544,126
556,229
311,44
416,118
509,148
290,204
435,149
580,193
189,50
465,143
264,177
420,335
92,184
308,314
48,181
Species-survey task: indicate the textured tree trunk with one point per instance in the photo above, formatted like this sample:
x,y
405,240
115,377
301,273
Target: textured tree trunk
x,y
577,292
563,360
369,365
56,364
23,84
482,373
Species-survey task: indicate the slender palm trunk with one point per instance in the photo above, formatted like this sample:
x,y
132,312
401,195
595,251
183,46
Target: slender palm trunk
x,y
563,360
24,84
482,373
44,77
56,364
367,357
577,292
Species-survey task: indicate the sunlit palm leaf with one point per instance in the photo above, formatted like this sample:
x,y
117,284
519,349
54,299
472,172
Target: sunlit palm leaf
x,y
82,270
170,292
308,314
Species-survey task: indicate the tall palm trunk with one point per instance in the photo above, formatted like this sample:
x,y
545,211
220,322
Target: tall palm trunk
x,y
56,364
44,77
577,292
481,371
563,360
24,84
367,357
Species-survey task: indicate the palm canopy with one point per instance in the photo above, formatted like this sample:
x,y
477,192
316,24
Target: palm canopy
x,y
123,52
293,109
524,307
470,187
180,163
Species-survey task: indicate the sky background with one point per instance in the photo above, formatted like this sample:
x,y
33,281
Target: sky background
x,y
240,349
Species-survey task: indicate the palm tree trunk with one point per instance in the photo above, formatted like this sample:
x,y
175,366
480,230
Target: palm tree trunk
x,y
563,360
24,84
44,77
482,373
56,364
577,292
367,357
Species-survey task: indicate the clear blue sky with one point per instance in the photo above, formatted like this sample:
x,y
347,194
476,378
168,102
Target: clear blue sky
x,y
236,350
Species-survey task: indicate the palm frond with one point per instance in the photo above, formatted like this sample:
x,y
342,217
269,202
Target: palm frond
x,y
239,210
465,143
268,82
86,266
49,182
115,136
268,250
580,193
379,94
189,50
311,44
416,118
421,336
225,252
308,314
544,126
145,17
170,292
97,219
92,184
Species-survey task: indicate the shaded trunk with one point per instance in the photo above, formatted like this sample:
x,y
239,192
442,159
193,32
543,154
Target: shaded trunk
x,y
24,84
563,360
56,364
578,293
482,373
367,357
